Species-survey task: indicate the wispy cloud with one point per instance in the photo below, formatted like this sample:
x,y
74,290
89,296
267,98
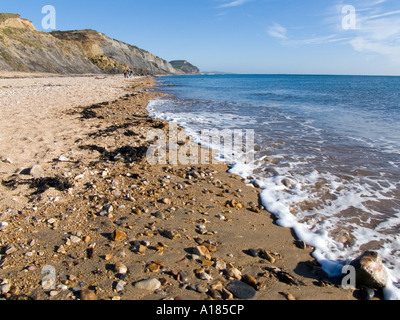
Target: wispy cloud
x,y
234,3
277,31
377,31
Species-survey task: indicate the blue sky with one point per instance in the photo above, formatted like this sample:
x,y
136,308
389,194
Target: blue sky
x,y
244,36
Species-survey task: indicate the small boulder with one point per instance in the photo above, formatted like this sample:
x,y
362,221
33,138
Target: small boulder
x,y
370,271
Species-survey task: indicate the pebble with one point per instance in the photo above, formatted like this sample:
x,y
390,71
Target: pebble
x,y
183,277
205,276
148,285
121,269
220,265
3,226
61,249
118,235
63,158
75,239
5,288
234,273
36,171
253,252
88,295
48,283
10,249
53,293
166,201
120,286
241,290
202,251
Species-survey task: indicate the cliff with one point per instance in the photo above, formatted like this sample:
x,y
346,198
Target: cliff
x,y
23,48
185,66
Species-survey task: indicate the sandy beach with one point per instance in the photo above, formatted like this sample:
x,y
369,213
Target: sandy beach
x,y
78,196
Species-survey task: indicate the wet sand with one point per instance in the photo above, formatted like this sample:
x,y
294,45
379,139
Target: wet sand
x,y
98,213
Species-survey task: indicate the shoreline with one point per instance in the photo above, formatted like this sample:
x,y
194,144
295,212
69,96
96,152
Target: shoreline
x,y
97,207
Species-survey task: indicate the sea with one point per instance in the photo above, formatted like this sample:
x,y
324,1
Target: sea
x,y
326,153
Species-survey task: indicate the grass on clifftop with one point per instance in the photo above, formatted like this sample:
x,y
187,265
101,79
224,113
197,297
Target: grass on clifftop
x,y
6,16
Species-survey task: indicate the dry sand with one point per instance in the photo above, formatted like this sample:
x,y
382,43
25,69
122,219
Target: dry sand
x,y
103,205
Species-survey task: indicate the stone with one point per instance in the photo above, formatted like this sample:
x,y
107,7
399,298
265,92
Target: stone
x,y
75,239
183,277
3,226
166,201
48,283
10,249
120,286
121,268
88,295
370,271
253,252
205,276
220,265
241,290
118,235
5,288
171,234
202,251
250,280
149,285
63,158
234,273
36,171
266,255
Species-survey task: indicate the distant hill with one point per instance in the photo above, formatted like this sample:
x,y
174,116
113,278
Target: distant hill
x,y
185,67
23,48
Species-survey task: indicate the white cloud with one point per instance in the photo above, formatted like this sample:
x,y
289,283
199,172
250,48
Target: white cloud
x,y
377,32
234,3
278,31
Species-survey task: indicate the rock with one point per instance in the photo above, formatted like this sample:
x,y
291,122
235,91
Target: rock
x,y
300,244
88,295
171,234
63,158
36,171
266,255
233,204
183,277
215,294
288,296
53,293
48,283
118,235
220,265
3,226
253,252
149,285
205,276
250,280
120,268
166,201
241,290
120,286
61,249
10,249
5,287
75,239
234,273
202,251
370,271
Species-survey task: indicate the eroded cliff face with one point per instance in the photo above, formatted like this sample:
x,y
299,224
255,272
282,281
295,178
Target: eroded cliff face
x,y
23,48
